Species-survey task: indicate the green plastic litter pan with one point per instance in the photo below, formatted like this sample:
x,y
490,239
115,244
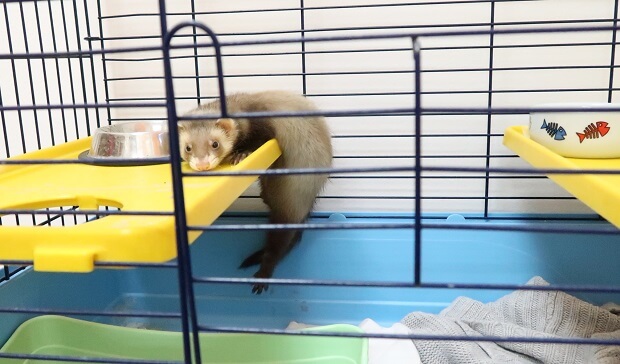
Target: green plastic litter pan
x,y
63,336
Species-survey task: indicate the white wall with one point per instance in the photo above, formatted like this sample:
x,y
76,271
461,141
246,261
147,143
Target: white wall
x,y
354,143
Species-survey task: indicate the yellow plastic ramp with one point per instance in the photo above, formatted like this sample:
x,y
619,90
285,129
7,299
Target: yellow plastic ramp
x,y
113,238
600,192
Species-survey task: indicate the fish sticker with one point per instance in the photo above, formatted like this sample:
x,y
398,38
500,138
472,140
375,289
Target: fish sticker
x,y
554,130
593,131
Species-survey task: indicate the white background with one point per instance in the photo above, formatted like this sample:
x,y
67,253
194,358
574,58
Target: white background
x,y
335,81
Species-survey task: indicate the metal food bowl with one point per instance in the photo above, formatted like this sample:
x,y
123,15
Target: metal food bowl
x,y
129,143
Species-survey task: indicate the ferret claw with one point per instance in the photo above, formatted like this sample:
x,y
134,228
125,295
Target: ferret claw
x,y
259,288
238,157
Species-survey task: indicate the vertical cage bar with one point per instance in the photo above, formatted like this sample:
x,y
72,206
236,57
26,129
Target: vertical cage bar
x,y
72,87
55,47
612,61
196,64
75,218
30,78
92,62
45,83
220,71
14,70
185,268
303,47
7,272
103,63
62,220
81,64
49,218
4,132
186,292
418,163
15,85
487,175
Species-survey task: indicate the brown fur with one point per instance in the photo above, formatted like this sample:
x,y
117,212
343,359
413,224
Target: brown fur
x,y
305,143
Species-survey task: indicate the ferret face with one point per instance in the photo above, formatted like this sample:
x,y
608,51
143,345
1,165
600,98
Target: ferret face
x,y
205,145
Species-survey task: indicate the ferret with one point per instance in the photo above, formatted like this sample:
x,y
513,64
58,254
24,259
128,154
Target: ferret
x,y
305,142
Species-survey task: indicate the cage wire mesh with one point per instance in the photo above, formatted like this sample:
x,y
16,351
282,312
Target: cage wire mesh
x,y
69,67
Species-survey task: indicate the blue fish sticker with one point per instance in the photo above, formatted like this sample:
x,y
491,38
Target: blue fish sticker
x,y
554,130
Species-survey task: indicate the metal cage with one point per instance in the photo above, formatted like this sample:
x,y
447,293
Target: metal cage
x,y
69,67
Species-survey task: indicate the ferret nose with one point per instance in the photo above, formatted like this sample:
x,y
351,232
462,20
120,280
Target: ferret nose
x,y
202,166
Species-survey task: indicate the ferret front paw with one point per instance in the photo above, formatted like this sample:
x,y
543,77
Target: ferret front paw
x,y
237,157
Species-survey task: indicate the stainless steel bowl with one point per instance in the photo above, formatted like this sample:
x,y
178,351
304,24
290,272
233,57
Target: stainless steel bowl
x,y
130,143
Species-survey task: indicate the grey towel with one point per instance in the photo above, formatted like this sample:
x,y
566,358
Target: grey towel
x,y
522,313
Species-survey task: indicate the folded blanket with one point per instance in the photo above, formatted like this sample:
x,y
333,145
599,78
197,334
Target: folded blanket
x,y
523,313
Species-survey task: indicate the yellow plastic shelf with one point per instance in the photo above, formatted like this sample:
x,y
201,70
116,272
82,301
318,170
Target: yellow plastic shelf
x,y
599,192
114,238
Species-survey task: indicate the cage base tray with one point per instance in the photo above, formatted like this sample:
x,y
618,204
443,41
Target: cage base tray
x,y
63,336
600,192
113,238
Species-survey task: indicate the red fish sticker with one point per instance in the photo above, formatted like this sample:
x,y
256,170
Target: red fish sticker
x,y
593,131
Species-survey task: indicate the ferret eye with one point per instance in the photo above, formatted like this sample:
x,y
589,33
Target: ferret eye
x,y
188,148
215,145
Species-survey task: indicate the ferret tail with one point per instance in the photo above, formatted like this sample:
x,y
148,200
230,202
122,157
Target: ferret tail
x,y
255,259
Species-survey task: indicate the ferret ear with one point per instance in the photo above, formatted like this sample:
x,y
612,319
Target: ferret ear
x,y
181,126
228,125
